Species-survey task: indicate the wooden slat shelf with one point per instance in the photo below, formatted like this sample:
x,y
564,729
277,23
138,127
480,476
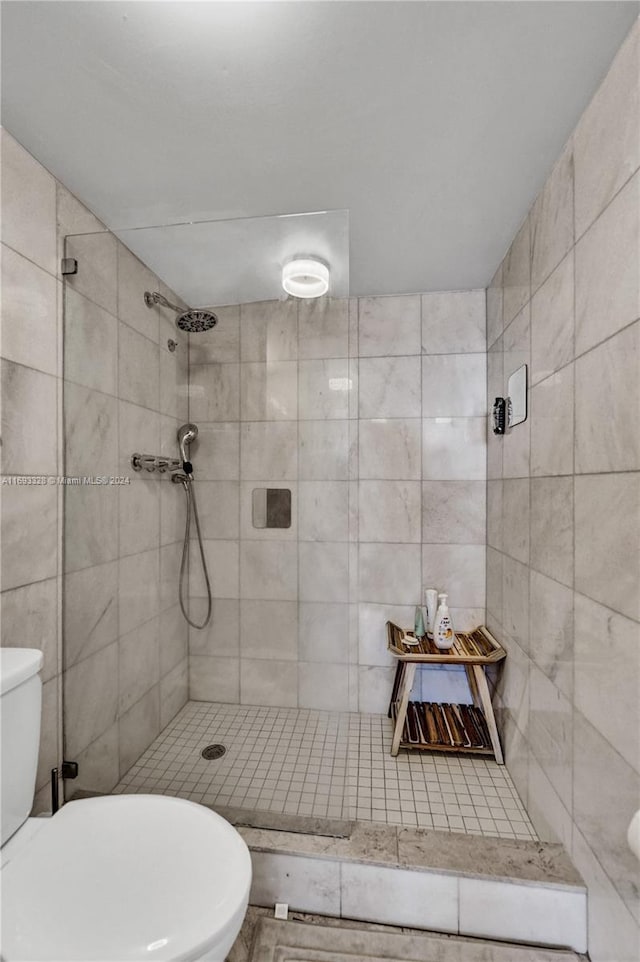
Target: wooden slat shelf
x,y
476,647
445,728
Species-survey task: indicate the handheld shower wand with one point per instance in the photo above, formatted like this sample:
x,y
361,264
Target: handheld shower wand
x,y
186,434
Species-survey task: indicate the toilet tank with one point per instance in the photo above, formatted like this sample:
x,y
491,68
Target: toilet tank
x,y
20,707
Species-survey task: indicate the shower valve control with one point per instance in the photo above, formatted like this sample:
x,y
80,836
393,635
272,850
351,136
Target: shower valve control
x,y
499,415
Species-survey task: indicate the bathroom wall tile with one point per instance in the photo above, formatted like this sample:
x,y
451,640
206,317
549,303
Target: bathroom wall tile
x,y
454,449
551,630
607,518
173,512
269,629
139,516
549,816
214,679
134,278
513,688
324,687
29,534
607,672
90,611
269,683
454,512
214,392
324,387
515,275
323,574
454,322
220,343
389,387
99,764
269,570
494,514
49,725
496,387
552,527
138,368
552,219
515,513
605,797
390,511
73,217
552,322
374,689
390,573
31,612
607,138
523,913
269,331
423,900
603,439
372,631
90,525
29,300
607,274
28,205
138,589
323,510
29,440
91,699
138,727
174,692
307,884
90,339
515,601
269,391
324,632
389,325
552,424
390,449
495,323
323,327
222,635
138,663
323,450
454,385
269,450
458,569
550,733
174,377
495,562
224,570
170,558
139,432
90,432
97,276
173,639
216,453
219,508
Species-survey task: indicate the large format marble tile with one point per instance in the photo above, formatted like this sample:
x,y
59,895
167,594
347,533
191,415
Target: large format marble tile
x,y
607,431
224,570
138,369
216,453
551,630
390,511
174,692
390,448
269,683
134,278
138,663
29,421
173,639
515,275
494,514
214,679
29,301
324,571
495,561
220,343
323,389
91,698
552,424
454,385
174,377
90,344
552,219
323,510
389,387
607,138
458,569
218,508
138,727
552,322
552,821
324,632
269,391
495,324
222,635
390,573
607,270
269,331
324,687
99,763
607,533
139,516
550,733
269,570
454,512
389,325
50,721
97,268
607,673
90,432
552,527
29,534
90,525
269,629
515,518
29,619
372,631
323,327
515,601
138,590
454,449
454,322
28,205
90,611
214,392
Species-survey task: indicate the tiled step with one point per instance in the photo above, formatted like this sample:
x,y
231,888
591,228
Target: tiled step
x,y
468,885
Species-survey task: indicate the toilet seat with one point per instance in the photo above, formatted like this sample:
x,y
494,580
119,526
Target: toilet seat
x,y
123,878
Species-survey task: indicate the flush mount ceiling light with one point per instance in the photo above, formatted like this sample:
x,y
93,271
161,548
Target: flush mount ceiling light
x,y
305,277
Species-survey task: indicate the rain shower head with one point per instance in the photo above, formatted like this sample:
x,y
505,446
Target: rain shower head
x,y
193,321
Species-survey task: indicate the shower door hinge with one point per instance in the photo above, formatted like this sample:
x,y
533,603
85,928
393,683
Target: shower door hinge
x,y
69,770
68,265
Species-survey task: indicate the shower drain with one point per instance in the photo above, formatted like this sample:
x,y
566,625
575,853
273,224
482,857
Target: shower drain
x,y
213,751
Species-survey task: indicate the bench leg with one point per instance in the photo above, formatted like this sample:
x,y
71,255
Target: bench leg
x,y
482,690
404,690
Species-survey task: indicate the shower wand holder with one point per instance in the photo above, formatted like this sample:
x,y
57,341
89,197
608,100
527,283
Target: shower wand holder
x,y
153,462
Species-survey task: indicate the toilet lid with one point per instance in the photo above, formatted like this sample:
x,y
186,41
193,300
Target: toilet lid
x,y
124,877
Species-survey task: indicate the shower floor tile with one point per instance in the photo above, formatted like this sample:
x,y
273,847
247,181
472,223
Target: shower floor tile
x,y
327,765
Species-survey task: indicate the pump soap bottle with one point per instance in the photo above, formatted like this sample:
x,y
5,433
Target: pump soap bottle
x,y
443,629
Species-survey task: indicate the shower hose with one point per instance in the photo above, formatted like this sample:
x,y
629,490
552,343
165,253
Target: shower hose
x,y
192,508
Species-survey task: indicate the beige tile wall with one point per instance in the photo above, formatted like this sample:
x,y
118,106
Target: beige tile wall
x,y
563,496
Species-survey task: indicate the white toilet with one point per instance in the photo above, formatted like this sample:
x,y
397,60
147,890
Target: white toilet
x,y
112,879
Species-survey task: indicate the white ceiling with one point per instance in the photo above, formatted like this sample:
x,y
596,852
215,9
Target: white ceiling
x,y
433,124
